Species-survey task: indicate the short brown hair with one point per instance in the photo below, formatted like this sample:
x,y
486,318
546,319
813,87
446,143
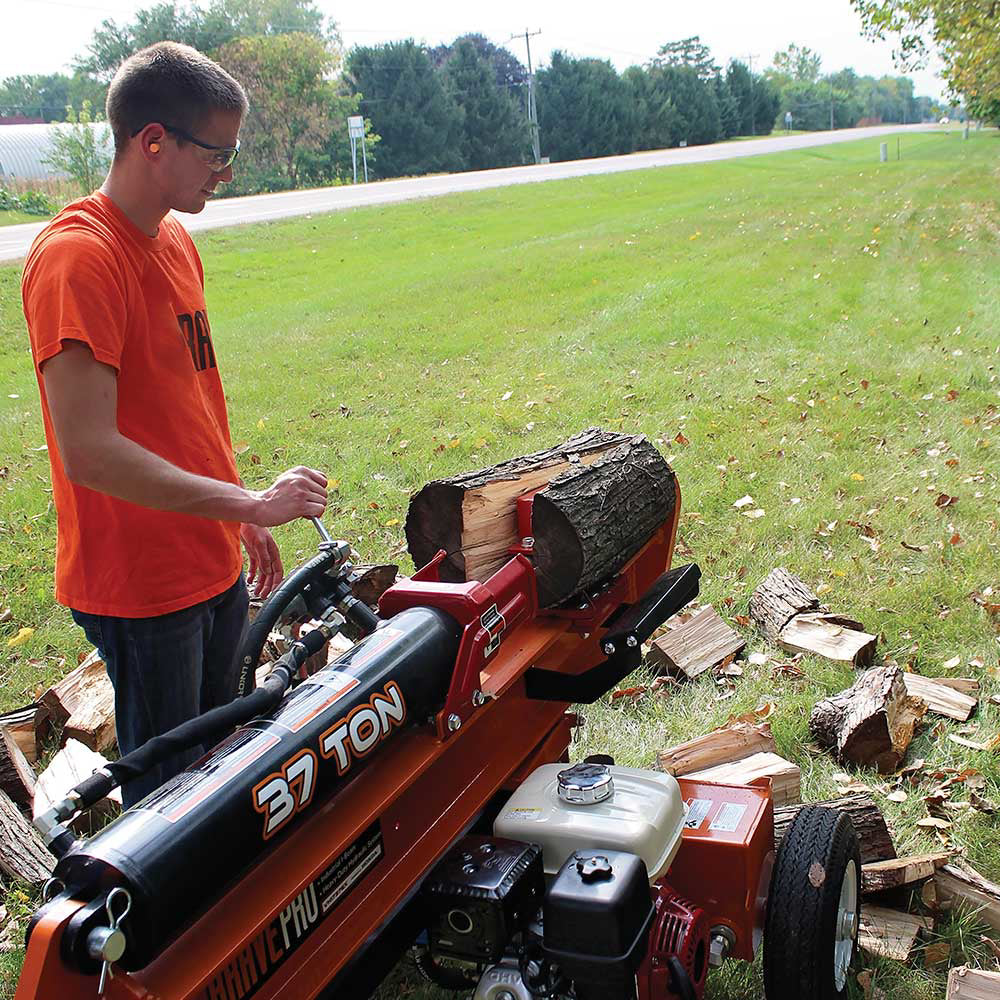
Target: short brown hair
x,y
172,84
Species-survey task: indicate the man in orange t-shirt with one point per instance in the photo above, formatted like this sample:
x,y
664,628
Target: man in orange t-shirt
x,y
151,509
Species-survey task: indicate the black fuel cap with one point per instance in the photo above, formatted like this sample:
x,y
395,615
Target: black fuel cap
x,y
594,868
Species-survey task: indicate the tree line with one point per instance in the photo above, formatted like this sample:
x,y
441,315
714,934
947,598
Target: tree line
x,y
461,106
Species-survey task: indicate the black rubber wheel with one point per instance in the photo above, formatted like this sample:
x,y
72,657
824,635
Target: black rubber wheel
x,y
811,927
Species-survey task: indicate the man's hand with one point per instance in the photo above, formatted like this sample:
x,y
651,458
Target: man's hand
x,y
265,570
299,492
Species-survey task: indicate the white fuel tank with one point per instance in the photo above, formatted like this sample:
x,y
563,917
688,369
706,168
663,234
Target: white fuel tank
x,y
565,808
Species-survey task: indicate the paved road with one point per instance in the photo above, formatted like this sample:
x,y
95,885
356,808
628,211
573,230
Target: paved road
x,y
15,240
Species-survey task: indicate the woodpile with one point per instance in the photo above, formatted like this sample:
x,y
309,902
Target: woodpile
x,y
597,499
790,616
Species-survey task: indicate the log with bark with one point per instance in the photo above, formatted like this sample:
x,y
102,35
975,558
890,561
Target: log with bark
x,y
944,699
890,933
786,778
874,838
600,497
732,742
872,722
23,856
961,887
882,876
973,984
83,703
778,599
693,646
17,777
23,724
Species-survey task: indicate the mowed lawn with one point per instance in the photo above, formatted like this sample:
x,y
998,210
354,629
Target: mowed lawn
x,y
814,329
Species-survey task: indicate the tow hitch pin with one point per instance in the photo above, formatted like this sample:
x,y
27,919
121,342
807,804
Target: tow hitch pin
x,y
107,944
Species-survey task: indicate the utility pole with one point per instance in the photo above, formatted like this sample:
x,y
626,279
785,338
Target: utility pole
x,y
532,110
753,111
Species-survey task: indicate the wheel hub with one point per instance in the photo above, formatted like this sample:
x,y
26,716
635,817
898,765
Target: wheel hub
x,y
846,925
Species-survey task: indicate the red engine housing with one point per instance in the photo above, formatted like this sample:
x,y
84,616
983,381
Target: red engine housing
x,y
680,930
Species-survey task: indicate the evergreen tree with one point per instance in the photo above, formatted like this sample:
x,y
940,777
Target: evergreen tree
x,y
493,133
405,98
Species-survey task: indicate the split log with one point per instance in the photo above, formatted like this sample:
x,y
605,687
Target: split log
x,y
871,723
778,599
881,876
874,838
941,698
786,778
84,703
692,647
890,933
17,777
68,768
973,984
831,636
959,886
967,685
728,743
369,583
22,724
23,856
600,497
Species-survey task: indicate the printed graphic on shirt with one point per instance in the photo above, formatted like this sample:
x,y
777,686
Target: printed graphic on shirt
x,y
198,338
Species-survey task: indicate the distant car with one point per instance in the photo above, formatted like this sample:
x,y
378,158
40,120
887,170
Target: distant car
x,y
945,121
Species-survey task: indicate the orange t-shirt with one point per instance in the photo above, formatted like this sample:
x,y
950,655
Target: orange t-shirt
x,y
138,302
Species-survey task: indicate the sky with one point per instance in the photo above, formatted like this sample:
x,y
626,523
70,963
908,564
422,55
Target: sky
x,y
43,36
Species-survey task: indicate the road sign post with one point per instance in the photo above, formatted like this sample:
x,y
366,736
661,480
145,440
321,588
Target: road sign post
x,y
356,130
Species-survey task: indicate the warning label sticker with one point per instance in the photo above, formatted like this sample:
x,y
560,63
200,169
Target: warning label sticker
x,y
697,811
728,818
177,797
312,698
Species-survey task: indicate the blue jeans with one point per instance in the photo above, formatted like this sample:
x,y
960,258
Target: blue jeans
x,y
168,669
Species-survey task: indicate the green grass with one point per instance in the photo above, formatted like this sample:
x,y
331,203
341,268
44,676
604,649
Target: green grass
x,y
820,328
9,217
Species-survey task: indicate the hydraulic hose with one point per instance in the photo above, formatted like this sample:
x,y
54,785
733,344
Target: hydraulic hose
x,y
289,588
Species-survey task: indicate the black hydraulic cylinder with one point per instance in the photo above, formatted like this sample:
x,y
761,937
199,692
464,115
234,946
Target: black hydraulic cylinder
x,y
179,848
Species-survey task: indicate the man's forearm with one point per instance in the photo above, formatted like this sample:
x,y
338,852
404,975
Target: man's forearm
x,y
126,470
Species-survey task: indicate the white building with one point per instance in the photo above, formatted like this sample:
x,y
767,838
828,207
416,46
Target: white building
x,y
24,150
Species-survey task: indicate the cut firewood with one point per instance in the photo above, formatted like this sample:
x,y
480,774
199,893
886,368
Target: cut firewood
x,y
874,838
728,743
967,685
22,724
831,636
778,599
68,768
880,876
84,702
960,887
600,497
17,777
23,856
786,778
973,984
941,698
890,933
871,723
692,647
369,583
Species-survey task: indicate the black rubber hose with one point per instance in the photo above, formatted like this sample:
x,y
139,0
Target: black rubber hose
x,y
289,588
680,981
205,728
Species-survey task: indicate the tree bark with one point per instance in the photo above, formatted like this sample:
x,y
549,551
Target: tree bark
x,y
780,597
22,854
869,824
17,777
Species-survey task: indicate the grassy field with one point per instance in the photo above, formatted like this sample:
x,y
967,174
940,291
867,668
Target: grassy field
x,y
814,329
9,217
